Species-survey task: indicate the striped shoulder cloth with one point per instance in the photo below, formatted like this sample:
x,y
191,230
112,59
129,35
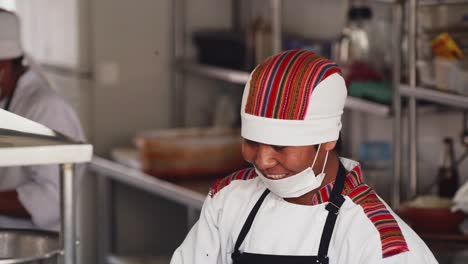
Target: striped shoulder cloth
x,y
244,174
393,241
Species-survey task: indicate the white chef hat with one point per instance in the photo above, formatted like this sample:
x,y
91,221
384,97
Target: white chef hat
x,y
10,39
295,98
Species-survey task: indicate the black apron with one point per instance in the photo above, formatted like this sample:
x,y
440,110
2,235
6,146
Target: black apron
x,y
333,206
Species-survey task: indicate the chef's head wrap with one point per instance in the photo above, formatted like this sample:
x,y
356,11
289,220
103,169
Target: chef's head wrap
x,y
294,98
10,39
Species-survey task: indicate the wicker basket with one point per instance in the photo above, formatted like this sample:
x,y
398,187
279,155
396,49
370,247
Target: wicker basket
x,y
190,153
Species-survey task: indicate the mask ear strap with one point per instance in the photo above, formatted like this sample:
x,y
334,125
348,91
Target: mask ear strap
x,y
325,162
316,155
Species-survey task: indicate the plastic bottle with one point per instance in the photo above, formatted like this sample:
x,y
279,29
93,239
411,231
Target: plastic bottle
x,y
448,172
355,44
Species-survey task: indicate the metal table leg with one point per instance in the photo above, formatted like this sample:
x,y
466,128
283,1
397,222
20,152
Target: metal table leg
x,y
104,219
68,240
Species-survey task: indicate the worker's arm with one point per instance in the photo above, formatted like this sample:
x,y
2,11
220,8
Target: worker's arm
x,y
10,205
202,244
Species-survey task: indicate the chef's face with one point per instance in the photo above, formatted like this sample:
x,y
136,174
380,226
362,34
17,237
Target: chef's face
x,y
278,162
4,79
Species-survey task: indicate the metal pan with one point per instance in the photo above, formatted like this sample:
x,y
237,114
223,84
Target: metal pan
x,y
28,246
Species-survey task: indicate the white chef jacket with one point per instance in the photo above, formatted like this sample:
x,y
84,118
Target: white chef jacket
x,y
38,186
366,230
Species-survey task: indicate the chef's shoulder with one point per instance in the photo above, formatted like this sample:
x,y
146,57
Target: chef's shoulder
x,y
378,233
43,105
374,223
240,183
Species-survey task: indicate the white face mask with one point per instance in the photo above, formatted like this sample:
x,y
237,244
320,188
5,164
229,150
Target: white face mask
x,y
298,184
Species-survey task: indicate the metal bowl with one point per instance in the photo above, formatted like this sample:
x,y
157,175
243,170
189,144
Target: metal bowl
x,y
28,246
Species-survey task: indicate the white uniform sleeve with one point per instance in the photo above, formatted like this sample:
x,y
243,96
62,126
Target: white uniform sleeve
x,y
40,195
53,112
418,252
202,244
373,256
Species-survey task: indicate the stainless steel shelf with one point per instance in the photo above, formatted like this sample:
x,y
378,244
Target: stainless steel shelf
x,y
241,77
115,259
427,2
444,98
147,182
441,2
386,1
218,73
369,107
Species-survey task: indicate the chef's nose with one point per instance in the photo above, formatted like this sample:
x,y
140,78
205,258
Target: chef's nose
x,y
265,157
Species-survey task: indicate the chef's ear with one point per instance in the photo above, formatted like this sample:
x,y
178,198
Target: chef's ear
x,y
329,146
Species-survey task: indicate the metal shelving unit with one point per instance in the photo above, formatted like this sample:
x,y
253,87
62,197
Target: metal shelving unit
x,y
426,2
143,181
235,76
436,96
241,77
23,142
107,171
414,93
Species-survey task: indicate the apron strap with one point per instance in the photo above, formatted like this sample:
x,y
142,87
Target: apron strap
x,y
333,207
249,221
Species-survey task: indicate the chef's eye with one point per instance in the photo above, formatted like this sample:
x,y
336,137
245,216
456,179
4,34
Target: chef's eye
x,y
278,148
251,143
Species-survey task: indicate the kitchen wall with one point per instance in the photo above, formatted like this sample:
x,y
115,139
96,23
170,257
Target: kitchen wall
x,y
131,53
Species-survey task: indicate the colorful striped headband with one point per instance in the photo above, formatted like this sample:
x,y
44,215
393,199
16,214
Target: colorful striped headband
x,y
294,98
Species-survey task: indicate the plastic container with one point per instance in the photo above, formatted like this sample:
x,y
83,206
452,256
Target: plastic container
x,y
190,153
458,78
443,68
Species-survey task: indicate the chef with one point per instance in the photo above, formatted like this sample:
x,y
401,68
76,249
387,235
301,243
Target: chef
x,y
300,202
29,195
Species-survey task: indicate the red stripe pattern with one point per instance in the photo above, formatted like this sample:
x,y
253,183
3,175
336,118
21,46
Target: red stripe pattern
x,y
245,174
392,239
281,86
353,180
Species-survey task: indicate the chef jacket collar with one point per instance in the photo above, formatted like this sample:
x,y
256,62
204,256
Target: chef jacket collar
x,y
353,179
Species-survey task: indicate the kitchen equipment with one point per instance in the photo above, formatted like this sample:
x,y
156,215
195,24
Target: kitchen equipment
x,y
221,48
28,246
430,215
448,171
190,152
24,142
304,18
